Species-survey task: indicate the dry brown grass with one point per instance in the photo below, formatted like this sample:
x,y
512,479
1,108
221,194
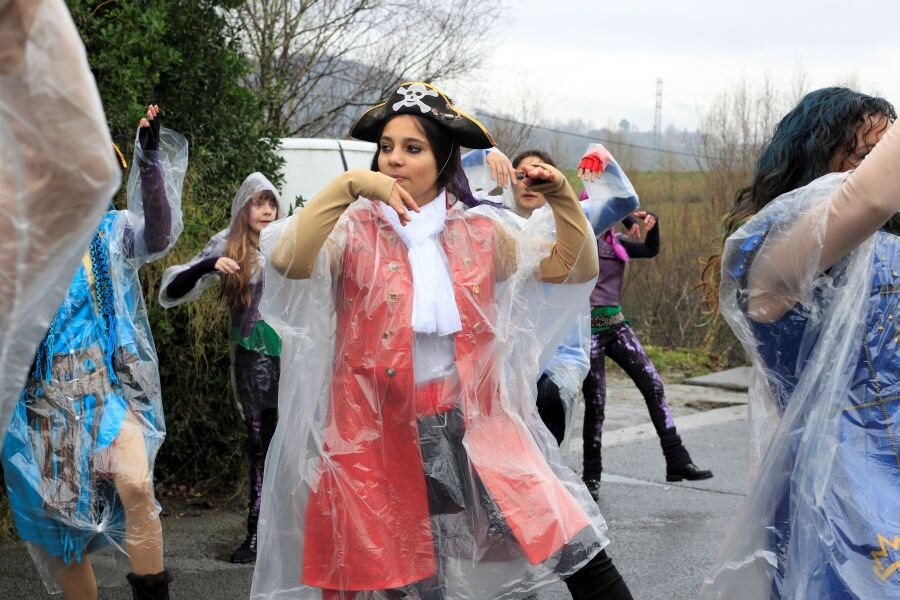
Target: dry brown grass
x,y
662,296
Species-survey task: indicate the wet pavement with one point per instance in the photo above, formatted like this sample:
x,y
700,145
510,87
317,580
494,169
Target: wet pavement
x,y
664,536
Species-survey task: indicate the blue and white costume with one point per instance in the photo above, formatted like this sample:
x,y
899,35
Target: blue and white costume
x,y
822,519
96,366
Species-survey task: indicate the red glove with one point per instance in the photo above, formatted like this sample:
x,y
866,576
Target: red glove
x,y
595,161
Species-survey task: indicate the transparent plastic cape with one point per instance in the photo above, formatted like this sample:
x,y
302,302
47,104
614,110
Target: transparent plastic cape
x,y
569,367
822,517
84,434
613,182
610,197
379,487
57,175
160,174
253,183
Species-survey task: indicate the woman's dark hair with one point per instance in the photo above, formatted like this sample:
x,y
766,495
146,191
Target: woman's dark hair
x,y
825,122
805,141
540,154
447,157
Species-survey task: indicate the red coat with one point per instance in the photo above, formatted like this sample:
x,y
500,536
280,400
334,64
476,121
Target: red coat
x,y
367,521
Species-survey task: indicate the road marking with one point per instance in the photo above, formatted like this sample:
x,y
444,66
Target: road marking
x,y
694,486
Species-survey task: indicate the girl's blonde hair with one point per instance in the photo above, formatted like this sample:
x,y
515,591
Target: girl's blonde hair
x,y
240,248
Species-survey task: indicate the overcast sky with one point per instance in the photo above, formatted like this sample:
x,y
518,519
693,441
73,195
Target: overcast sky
x,y
599,61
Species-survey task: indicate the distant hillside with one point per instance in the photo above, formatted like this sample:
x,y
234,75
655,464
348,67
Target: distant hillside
x,y
633,149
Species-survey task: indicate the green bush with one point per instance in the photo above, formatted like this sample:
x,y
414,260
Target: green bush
x,y
183,56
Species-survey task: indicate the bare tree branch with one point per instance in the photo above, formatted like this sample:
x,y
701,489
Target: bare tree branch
x,y
317,61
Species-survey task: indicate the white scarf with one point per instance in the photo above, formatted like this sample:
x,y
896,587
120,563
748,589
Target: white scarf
x,y
434,305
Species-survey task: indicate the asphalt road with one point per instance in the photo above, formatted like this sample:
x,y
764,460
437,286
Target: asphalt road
x,y
664,536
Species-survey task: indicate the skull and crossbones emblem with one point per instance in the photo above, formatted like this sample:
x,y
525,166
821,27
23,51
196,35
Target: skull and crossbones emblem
x,y
413,97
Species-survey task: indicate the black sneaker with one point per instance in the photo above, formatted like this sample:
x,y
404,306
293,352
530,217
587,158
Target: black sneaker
x,y
690,471
593,486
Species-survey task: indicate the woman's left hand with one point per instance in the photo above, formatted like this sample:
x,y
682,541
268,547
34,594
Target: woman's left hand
x,y
648,218
501,168
634,232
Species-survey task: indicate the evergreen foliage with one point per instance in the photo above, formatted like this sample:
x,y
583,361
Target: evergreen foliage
x,y
183,56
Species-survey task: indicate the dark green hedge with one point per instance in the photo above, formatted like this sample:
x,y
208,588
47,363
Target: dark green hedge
x,y
181,55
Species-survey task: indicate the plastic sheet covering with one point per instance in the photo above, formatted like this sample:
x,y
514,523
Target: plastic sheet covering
x,y
611,197
612,183
79,452
253,183
377,486
57,174
569,367
822,518
481,184
253,374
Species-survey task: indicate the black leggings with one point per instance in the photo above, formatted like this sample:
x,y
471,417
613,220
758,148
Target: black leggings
x,y
551,408
597,580
256,385
621,344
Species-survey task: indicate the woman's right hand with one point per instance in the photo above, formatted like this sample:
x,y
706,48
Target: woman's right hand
x,y
593,162
402,202
501,168
148,132
227,266
374,186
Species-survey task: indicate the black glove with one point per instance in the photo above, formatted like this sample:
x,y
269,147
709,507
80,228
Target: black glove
x,y
149,136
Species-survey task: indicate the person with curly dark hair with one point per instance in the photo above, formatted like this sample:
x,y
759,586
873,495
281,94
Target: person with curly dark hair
x,y
809,284
820,135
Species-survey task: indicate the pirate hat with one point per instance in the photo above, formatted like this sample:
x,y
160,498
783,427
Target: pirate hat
x,y
424,100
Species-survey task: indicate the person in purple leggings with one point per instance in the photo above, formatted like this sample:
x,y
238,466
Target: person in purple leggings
x,y
612,336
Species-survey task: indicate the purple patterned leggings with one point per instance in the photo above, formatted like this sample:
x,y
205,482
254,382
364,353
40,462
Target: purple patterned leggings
x,y
621,344
256,386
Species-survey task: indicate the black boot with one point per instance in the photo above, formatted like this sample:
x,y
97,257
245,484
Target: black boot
x,y
690,471
150,587
246,552
593,486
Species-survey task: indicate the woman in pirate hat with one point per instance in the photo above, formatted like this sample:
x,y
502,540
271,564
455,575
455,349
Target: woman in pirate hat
x,y
409,460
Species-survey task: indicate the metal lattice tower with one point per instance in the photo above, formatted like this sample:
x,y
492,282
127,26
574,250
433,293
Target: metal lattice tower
x,y
657,118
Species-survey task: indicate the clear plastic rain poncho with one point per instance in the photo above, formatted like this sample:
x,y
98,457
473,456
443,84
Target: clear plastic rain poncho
x,y
92,400
57,175
822,518
610,197
242,317
393,473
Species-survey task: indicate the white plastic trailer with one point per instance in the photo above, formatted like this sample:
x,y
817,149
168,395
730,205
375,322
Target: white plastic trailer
x,y
310,163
